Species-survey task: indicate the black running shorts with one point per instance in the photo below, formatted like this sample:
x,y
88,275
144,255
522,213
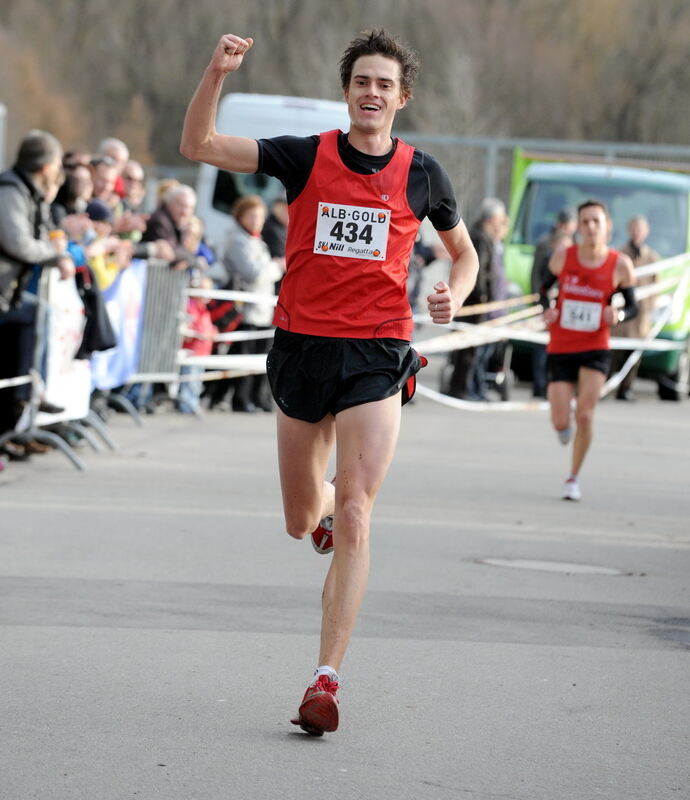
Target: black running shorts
x,y
312,376
566,366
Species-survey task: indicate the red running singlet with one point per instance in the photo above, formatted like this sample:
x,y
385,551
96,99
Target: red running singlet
x,y
583,293
348,249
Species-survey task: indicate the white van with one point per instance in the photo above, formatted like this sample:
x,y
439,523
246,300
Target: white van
x,y
258,116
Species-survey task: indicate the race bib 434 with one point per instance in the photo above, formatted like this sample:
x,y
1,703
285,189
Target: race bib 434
x,y
352,231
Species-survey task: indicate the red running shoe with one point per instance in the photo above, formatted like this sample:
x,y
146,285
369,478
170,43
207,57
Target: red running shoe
x,y
318,713
322,536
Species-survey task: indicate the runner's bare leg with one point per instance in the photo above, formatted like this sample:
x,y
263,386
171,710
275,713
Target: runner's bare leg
x,y
366,436
590,382
560,394
303,452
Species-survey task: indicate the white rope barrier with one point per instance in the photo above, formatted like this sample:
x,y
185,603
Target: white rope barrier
x,y
509,319
467,335
8,383
230,294
615,380
232,336
481,405
657,267
496,305
461,335
250,363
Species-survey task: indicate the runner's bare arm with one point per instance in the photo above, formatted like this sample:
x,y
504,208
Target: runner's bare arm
x,y
624,279
557,261
625,272
200,140
448,297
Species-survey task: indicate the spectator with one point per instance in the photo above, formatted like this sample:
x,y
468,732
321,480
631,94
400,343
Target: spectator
x,y
164,186
74,194
169,221
422,256
274,232
638,327
560,235
193,240
104,173
468,379
118,153
25,192
165,228
131,221
134,182
107,254
500,281
77,157
250,268
200,335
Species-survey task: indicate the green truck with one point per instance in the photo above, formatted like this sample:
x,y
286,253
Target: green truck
x,y
540,188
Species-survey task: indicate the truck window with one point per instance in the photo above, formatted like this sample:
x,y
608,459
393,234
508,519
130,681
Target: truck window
x,y
667,211
231,185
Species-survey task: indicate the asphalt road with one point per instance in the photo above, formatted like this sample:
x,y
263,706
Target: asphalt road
x,y
157,628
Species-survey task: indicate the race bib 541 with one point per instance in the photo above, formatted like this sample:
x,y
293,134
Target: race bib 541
x,y
352,231
579,315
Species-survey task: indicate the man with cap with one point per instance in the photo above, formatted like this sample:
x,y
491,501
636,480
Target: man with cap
x,y
107,254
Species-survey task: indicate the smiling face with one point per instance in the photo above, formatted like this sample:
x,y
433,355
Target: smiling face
x,y
374,94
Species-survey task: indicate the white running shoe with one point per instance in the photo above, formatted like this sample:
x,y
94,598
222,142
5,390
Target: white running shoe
x,y
565,436
571,490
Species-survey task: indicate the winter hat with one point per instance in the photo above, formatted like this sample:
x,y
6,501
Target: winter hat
x,y
98,211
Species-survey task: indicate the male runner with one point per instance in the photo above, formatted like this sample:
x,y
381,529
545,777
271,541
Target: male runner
x,y
588,275
341,356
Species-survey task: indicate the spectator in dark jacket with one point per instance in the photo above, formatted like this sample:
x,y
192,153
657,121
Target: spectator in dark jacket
x,y
274,232
25,192
467,380
561,235
169,221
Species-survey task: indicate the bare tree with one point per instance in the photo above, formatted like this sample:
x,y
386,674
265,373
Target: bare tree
x,y
603,69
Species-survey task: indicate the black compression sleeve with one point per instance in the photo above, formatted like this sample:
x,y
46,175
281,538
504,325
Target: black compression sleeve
x,y
544,289
630,309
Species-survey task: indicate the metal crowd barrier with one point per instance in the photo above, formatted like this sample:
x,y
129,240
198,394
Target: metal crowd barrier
x,y
29,425
164,315
161,326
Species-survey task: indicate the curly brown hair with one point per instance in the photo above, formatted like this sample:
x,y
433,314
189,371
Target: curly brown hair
x,y
378,43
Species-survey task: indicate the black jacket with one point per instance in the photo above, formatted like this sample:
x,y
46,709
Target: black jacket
x,y
483,291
